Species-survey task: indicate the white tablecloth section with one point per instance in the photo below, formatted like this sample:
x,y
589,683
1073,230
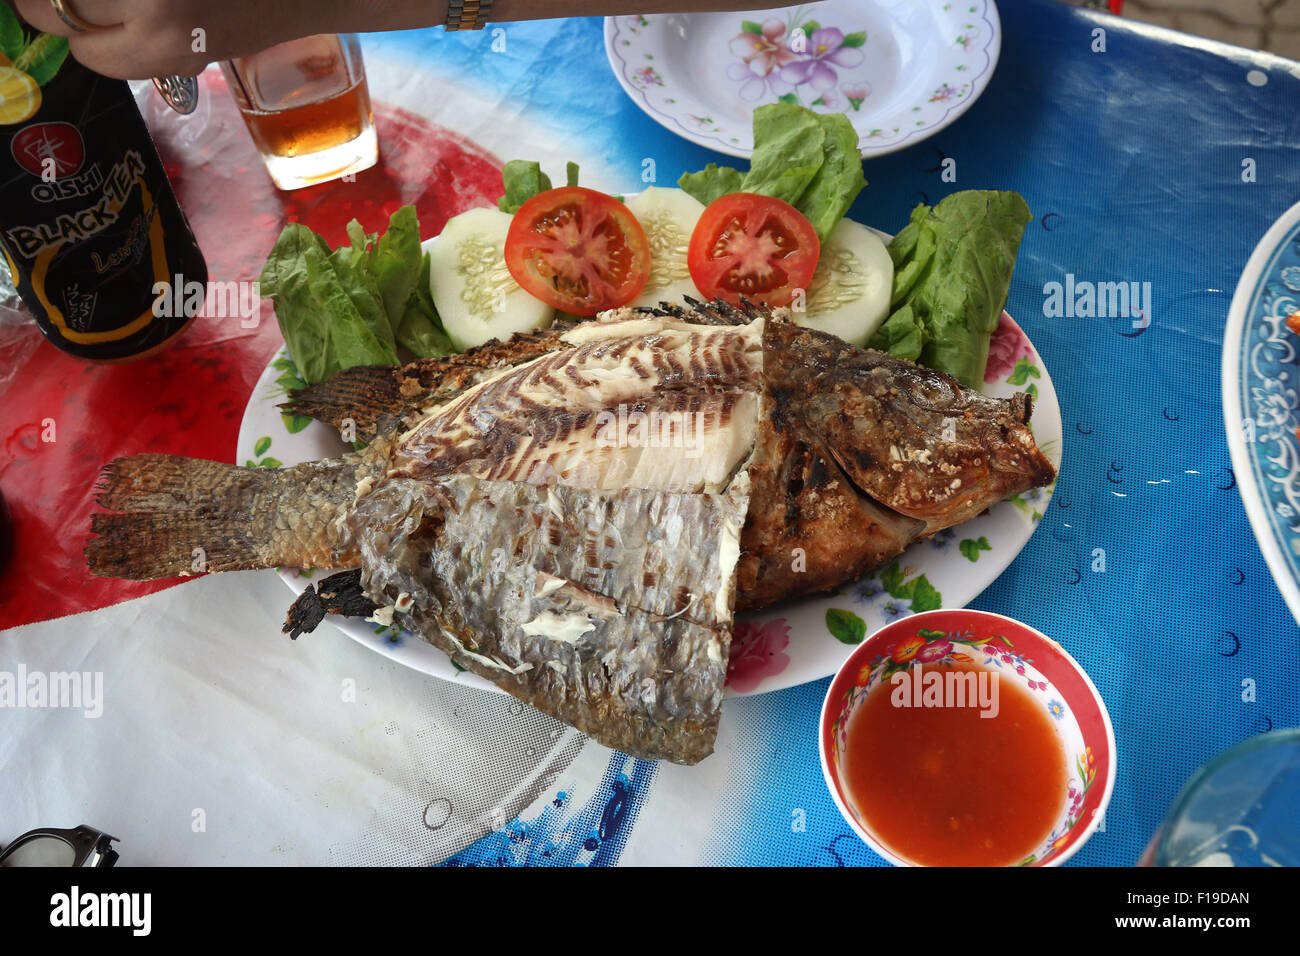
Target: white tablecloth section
x,y
223,742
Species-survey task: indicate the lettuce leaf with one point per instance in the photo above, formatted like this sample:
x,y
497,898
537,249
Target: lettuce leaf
x,y
788,141
901,335
522,181
711,182
839,180
299,278
394,261
420,328
355,346
356,304
952,273
808,159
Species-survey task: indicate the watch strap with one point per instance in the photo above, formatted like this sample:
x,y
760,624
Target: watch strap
x,y
468,14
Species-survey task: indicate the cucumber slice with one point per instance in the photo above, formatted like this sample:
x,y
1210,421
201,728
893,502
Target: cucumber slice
x,y
849,293
668,217
476,296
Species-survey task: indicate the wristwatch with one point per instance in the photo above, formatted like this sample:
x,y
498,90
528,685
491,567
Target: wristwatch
x,y
468,14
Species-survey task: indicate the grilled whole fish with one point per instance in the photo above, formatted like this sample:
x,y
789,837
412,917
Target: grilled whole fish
x,y
853,455
575,513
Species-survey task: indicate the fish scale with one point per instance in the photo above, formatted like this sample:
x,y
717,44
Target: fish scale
x,y
584,634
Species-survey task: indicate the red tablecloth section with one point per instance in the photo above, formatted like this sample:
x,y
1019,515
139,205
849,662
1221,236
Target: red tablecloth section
x,y
189,400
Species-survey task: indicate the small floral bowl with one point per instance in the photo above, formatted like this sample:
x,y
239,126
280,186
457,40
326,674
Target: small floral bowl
x,y
1015,652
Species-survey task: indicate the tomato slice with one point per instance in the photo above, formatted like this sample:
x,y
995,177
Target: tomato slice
x,y
578,250
753,246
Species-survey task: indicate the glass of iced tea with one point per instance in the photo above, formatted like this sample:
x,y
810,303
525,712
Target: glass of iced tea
x,y
307,108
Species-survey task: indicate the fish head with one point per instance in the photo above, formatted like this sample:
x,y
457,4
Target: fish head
x,y
913,439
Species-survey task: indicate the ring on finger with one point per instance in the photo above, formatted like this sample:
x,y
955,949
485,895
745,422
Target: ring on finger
x,y
65,13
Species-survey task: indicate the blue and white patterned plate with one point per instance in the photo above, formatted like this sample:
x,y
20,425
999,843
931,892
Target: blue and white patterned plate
x,y
900,70
1261,393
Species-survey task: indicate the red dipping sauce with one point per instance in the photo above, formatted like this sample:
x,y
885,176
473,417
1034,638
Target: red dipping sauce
x,y
943,785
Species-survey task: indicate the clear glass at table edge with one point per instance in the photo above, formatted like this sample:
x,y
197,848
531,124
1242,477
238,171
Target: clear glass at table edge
x,y
307,108
1237,810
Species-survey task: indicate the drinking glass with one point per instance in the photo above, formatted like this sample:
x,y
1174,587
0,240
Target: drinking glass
x,y
307,108
1237,810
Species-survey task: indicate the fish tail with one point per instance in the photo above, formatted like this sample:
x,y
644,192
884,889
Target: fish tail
x,y
180,516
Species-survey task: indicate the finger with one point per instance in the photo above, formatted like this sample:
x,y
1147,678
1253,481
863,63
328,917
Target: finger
x,y
41,15
122,53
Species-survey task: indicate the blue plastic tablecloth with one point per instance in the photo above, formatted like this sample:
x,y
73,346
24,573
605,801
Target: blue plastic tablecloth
x,y
1131,160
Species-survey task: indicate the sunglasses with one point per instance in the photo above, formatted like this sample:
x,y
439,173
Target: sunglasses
x,y
83,846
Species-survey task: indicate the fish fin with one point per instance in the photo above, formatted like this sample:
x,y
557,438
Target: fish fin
x,y
364,394
304,614
721,312
182,516
367,394
337,594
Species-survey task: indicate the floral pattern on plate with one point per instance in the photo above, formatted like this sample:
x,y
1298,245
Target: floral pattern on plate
x,y
757,652
797,60
892,69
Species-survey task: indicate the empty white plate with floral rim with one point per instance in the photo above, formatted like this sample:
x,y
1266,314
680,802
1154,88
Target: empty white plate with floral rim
x,y
790,644
901,70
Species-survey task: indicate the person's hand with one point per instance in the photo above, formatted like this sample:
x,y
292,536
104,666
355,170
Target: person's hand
x,y
134,39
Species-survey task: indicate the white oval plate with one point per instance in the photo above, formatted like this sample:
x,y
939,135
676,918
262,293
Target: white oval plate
x,y
901,70
778,647
1261,394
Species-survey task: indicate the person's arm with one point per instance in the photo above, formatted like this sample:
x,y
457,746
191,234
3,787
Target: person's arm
x,y
136,39
406,14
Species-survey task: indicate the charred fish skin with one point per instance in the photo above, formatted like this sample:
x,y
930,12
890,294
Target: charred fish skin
x,y
487,516
178,516
624,637
610,610
340,593
809,529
